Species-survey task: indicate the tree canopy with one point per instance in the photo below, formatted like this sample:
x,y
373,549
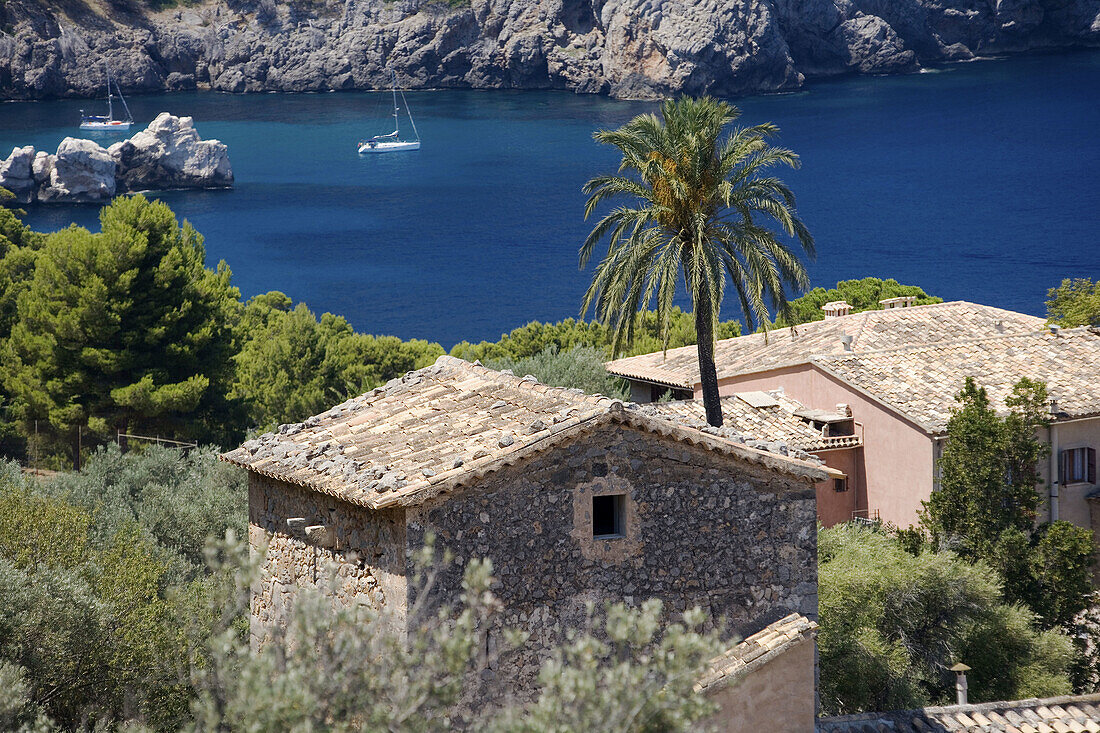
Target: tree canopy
x,y
987,507
862,295
292,365
124,330
893,623
1074,303
694,200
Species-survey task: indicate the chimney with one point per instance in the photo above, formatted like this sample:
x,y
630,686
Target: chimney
x,y
902,301
1055,329
846,339
960,671
836,309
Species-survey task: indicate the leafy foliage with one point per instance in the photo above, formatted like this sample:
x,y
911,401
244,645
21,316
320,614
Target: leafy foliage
x,y
632,672
697,206
581,368
291,365
124,330
343,669
1074,303
862,295
893,623
179,502
536,337
988,503
91,626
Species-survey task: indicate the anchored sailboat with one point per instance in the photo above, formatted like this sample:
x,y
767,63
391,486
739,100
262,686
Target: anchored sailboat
x,y
98,122
392,142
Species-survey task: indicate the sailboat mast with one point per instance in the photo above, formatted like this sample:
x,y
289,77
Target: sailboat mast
x,y
411,120
396,128
110,106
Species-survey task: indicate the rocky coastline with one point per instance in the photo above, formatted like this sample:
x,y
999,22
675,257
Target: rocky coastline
x,y
624,48
167,154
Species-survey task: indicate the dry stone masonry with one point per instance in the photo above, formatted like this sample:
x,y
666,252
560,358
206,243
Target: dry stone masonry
x,y
575,498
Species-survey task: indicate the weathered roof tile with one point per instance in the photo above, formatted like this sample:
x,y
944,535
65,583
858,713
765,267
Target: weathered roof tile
x,y
870,330
920,382
757,649
774,422
1054,715
447,424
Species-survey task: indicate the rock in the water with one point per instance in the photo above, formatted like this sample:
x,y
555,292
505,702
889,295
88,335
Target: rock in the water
x,y
170,154
167,154
81,171
16,174
42,166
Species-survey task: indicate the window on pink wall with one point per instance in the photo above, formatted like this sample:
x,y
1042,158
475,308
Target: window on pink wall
x,y
1077,466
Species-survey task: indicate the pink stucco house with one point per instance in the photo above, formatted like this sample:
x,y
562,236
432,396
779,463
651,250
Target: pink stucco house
x,y
889,377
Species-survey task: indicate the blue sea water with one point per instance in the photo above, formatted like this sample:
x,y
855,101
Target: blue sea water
x,y
979,181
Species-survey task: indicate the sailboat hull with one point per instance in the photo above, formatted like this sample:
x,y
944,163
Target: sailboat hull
x,y
388,147
113,125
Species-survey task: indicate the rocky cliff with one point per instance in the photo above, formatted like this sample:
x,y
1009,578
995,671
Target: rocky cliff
x,y
167,154
626,48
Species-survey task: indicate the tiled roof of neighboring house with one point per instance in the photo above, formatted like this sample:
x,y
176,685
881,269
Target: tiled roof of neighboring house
x,y
757,650
774,420
870,330
437,428
1052,715
921,382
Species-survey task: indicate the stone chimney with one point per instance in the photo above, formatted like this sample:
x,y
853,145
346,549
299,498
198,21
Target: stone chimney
x,y
903,301
836,309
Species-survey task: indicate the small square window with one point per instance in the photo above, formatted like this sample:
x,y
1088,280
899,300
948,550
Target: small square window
x,y
840,484
608,519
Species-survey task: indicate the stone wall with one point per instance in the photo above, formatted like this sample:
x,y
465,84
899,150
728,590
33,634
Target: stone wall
x,y
359,557
701,529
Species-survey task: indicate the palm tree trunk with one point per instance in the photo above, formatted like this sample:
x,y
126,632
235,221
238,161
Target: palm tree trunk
x,y
708,375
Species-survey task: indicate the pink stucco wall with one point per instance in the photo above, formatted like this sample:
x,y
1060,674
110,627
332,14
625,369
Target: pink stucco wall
x,y
835,507
1072,505
895,466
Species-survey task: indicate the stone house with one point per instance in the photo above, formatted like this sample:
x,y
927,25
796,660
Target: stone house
x,y
575,498
890,376
776,423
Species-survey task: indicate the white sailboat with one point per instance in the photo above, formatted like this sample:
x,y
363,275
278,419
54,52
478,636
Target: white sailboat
x,y
392,142
101,123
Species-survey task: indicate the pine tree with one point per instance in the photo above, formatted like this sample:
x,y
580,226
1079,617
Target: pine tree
x,y
125,330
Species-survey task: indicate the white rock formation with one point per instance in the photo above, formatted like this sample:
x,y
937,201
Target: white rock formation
x,y
170,154
80,171
16,173
167,154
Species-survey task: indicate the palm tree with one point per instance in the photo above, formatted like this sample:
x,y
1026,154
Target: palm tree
x,y
697,205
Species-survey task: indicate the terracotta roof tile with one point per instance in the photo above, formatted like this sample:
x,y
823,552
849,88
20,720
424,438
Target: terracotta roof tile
x,y
447,424
1058,715
870,330
921,382
772,423
757,649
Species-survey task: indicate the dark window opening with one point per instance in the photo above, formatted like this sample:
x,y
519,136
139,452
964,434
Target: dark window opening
x,y
841,427
1078,466
666,394
607,516
840,484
